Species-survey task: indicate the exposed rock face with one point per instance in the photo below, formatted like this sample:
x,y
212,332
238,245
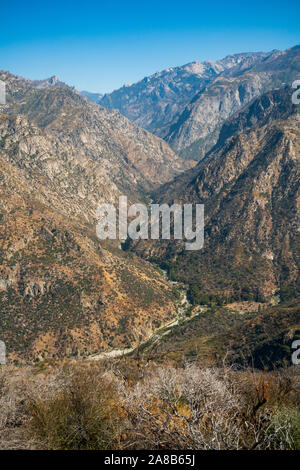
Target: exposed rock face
x,y
133,158
62,291
197,129
48,82
270,106
155,102
250,187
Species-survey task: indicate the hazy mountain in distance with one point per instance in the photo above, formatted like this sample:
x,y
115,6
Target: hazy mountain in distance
x,y
197,129
155,102
92,96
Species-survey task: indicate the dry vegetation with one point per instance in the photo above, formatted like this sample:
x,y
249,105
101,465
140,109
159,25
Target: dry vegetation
x,y
124,405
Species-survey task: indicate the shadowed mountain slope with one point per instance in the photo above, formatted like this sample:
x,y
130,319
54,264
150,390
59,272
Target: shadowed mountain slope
x,y
250,187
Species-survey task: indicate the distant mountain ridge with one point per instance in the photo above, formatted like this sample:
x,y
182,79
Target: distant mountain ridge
x,y
188,105
52,81
197,129
155,102
92,96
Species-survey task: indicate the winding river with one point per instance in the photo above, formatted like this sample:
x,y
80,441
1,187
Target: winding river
x,y
183,306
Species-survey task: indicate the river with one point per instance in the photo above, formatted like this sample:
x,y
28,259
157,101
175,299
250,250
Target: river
x,y
183,306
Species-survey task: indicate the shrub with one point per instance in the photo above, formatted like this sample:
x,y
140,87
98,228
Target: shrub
x,y
125,404
202,410
83,414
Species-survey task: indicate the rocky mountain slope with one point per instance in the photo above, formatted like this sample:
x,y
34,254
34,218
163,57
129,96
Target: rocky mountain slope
x,y
135,159
250,187
62,291
155,102
197,129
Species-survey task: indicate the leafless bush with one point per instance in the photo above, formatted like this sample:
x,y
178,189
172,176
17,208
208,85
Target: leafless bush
x,y
13,410
200,409
84,405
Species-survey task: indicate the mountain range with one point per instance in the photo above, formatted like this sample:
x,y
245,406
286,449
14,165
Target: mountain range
x,y
187,105
227,136
156,102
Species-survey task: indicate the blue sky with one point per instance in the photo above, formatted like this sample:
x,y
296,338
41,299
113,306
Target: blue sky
x,y
99,46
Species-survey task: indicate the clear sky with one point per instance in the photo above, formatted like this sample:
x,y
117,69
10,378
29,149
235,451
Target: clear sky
x,y
99,46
